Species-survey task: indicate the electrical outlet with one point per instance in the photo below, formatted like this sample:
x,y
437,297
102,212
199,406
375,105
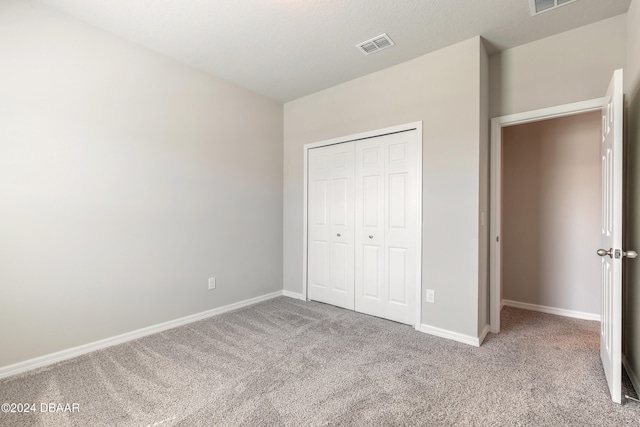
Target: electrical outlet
x,y
431,296
212,283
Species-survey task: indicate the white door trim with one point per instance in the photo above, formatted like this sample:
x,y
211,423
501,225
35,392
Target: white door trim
x,y
370,134
497,123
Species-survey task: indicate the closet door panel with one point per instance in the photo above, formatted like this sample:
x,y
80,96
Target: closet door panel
x,y
398,201
330,231
319,273
400,226
397,280
371,279
370,286
342,224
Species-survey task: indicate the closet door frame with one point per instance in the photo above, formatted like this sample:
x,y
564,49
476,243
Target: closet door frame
x,y
417,126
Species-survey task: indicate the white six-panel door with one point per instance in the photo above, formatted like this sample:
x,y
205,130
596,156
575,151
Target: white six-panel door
x,y
611,237
362,225
331,225
385,235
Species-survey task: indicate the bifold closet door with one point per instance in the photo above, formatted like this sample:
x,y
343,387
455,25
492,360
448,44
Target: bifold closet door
x,y
331,225
386,226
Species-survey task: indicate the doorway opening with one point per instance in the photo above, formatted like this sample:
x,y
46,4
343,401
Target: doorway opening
x,y
551,215
498,127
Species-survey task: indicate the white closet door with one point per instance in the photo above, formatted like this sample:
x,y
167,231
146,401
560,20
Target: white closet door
x,y
370,288
331,225
386,226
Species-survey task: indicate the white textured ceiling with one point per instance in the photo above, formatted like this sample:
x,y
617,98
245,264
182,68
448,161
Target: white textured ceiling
x,y
286,49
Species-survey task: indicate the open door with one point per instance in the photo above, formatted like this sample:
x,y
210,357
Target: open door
x,y
610,251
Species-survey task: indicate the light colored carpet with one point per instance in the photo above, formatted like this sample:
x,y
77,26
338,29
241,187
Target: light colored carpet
x,y
288,362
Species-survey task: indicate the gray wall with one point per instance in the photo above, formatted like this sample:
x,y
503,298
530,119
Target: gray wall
x,y
569,67
632,277
551,213
126,180
443,90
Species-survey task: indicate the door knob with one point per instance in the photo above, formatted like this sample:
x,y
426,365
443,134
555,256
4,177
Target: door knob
x,y
630,254
371,236
603,252
338,234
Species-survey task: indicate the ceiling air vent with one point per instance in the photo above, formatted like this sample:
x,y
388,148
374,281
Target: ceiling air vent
x,y
539,6
375,44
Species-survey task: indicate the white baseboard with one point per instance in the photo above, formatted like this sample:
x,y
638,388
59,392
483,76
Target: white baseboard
x,y
59,356
633,376
552,310
455,336
293,295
